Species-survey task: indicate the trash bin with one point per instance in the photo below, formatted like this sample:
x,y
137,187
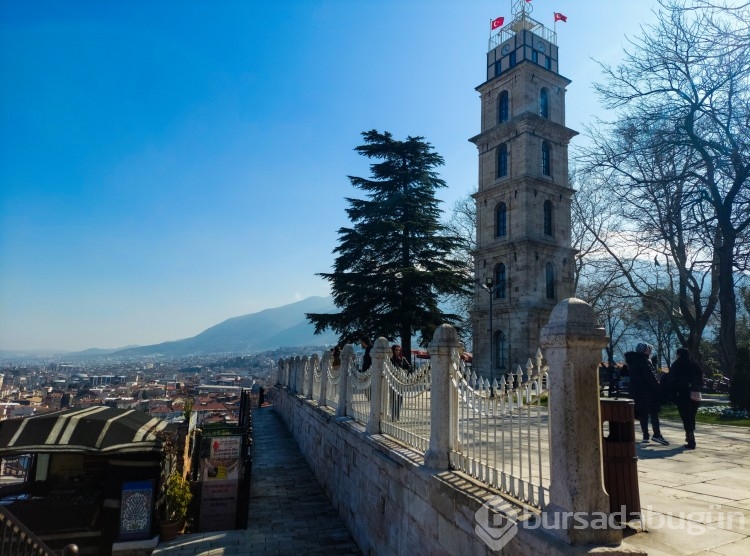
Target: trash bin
x,y
620,458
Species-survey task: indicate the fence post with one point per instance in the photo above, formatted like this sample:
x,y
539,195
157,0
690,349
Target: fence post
x,y
444,344
297,371
324,364
380,352
310,366
294,367
302,382
572,342
347,361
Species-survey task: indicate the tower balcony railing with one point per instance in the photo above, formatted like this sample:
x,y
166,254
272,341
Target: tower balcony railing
x,y
520,23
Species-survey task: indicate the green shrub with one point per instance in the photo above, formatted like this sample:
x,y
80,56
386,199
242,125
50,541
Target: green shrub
x,y
177,498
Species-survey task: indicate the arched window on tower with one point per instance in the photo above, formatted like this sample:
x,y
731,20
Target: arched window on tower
x,y
546,159
548,218
549,280
502,107
502,160
544,103
500,281
501,220
501,350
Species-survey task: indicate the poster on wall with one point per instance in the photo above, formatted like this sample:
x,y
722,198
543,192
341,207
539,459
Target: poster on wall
x,y
224,459
136,506
218,505
221,465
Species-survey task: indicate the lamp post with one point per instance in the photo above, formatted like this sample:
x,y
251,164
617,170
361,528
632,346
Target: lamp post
x,y
489,288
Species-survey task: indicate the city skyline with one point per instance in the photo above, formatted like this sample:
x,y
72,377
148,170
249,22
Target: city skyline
x,y
166,166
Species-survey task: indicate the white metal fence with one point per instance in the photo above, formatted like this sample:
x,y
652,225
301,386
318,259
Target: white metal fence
x,y
406,405
501,430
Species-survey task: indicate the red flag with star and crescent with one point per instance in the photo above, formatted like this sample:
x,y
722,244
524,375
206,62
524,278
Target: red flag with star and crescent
x,y
498,22
560,17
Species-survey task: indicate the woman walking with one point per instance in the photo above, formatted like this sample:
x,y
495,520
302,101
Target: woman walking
x,y
687,380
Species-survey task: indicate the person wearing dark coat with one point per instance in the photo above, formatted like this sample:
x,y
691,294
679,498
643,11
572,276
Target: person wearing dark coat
x,y
365,343
398,360
686,379
645,391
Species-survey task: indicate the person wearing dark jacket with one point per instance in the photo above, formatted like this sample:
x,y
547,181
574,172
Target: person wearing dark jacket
x,y
398,360
686,379
365,343
645,390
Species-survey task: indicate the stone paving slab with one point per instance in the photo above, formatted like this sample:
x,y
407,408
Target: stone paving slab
x,y
695,501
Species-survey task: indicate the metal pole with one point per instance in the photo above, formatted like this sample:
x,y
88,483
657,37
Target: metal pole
x,y
492,353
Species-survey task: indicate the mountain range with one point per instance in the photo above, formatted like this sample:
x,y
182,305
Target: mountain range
x,y
284,326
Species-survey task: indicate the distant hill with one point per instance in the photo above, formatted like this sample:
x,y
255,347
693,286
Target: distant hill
x,y
284,326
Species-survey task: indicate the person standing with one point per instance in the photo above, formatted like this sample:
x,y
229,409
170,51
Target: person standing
x,y
336,358
645,391
366,344
398,360
686,378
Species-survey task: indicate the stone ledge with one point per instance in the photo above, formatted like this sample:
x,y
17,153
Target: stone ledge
x,y
142,547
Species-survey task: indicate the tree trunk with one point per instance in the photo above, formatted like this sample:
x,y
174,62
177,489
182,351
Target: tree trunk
x,y
727,307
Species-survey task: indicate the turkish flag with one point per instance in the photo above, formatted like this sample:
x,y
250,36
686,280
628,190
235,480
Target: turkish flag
x,y
560,17
497,23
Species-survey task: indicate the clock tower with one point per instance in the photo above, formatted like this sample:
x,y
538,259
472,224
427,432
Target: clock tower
x,y
523,263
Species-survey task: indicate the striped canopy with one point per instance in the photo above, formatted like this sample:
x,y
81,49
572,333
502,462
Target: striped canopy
x,y
98,430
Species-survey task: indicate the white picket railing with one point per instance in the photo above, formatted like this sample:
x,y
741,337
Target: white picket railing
x,y
406,405
501,430
358,389
503,437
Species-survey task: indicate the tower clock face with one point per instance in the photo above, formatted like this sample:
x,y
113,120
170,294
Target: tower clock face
x,y
540,46
506,49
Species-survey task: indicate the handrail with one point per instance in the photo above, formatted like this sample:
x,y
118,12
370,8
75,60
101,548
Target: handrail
x,y
17,540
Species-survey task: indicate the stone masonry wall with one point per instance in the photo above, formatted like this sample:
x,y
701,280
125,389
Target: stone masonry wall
x,y
390,501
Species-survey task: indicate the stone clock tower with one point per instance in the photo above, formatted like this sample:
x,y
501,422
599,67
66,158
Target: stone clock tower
x,y
524,261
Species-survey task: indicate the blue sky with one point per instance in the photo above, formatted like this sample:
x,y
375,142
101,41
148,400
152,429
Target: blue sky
x,y
166,165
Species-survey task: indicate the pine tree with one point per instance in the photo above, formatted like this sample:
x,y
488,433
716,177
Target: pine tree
x,y
394,265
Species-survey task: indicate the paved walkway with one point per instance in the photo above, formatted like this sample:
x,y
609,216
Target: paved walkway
x,y
289,513
694,502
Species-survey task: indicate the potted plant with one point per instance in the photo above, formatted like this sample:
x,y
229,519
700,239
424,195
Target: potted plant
x,y
177,497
